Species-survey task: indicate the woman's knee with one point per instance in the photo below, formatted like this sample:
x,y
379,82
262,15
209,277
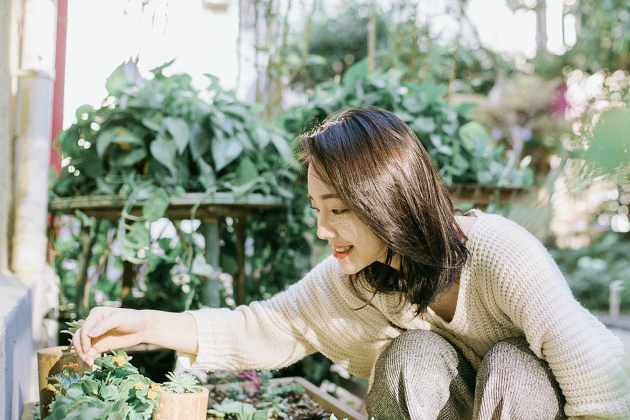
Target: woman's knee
x,y
416,349
513,377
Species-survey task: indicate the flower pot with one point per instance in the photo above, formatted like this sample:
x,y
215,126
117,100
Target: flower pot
x,y
187,406
51,361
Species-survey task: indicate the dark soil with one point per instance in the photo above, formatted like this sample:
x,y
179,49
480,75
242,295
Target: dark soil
x,y
301,406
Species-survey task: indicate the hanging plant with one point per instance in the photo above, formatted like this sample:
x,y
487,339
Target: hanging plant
x,y
164,130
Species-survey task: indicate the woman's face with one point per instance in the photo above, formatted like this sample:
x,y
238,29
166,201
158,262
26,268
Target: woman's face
x,y
354,244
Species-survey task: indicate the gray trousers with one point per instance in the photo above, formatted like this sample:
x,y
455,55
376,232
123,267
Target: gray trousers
x,y
421,376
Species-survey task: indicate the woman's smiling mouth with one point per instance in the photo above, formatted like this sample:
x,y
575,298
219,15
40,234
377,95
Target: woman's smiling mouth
x,y
341,252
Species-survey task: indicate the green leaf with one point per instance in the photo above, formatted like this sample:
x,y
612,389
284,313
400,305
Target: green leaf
x,y
179,131
200,267
282,146
432,90
460,162
315,59
358,70
464,108
476,138
263,137
165,152
152,123
155,207
84,109
117,81
423,125
224,151
132,157
246,173
244,139
116,134
414,105
158,70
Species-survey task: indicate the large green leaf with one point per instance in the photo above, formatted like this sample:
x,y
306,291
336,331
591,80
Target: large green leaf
x,y
199,141
132,157
155,207
116,134
357,71
179,131
82,110
476,138
282,146
225,150
423,125
117,81
165,152
432,90
263,137
245,177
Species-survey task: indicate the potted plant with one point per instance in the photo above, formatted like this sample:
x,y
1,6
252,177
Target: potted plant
x,y
113,391
51,361
182,397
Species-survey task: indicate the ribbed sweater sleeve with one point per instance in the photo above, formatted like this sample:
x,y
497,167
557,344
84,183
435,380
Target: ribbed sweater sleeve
x,y
317,314
583,355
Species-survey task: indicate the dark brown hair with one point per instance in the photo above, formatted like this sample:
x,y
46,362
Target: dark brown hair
x,y
381,171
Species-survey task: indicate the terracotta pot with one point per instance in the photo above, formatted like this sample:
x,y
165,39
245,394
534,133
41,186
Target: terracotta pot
x,y
187,406
51,361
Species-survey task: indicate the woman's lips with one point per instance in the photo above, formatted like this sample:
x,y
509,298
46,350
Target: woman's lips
x,y
341,252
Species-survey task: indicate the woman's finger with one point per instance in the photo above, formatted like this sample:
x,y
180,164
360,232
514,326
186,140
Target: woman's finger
x,y
93,318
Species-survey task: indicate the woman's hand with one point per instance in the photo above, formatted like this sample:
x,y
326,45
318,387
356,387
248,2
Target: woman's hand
x,y
114,328
107,329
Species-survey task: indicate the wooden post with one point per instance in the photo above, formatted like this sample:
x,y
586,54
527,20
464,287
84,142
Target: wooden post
x,y
239,226
211,289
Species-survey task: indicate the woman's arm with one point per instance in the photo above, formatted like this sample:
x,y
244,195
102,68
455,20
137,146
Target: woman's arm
x,y
113,328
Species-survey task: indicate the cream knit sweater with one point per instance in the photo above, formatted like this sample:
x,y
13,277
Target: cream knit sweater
x,y
510,287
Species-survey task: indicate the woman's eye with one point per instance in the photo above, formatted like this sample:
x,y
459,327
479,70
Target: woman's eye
x,y
315,209
338,212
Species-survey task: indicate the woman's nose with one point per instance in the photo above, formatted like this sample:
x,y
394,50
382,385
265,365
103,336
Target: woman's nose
x,y
324,230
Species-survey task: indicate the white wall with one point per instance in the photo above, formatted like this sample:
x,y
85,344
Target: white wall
x,y
24,141
15,297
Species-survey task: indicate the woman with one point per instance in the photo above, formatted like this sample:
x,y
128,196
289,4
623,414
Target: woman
x,y
450,316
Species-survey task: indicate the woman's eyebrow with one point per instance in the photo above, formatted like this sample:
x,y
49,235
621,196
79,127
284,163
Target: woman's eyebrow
x,y
326,196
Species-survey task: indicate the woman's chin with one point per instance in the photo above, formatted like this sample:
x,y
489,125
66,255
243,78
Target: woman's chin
x,y
348,268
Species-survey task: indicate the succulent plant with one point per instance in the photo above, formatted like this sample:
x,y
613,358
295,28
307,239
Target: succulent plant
x,y
181,382
73,327
115,391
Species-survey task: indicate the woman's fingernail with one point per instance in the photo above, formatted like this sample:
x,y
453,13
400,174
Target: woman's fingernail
x,y
92,332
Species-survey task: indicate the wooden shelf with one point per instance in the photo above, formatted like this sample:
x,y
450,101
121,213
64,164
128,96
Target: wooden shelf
x,y
211,207
482,196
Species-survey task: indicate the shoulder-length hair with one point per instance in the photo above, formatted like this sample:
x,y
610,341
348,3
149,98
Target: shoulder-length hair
x,y
381,171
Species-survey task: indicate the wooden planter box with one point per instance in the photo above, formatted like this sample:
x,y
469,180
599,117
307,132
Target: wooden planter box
x,y
328,403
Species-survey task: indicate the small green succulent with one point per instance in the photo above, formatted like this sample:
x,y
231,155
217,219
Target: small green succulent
x,y
115,391
242,410
73,327
235,392
181,382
